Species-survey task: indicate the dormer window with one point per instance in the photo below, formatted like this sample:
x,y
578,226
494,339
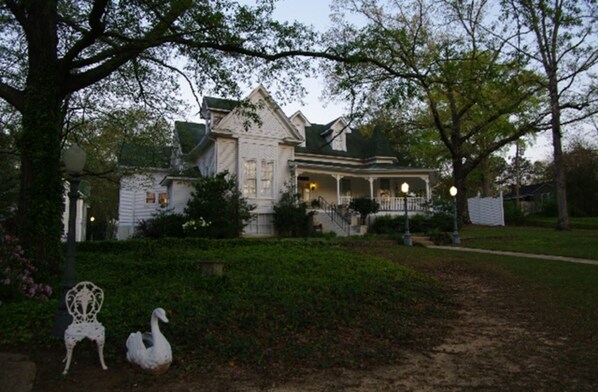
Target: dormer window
x,y
336,135
338,143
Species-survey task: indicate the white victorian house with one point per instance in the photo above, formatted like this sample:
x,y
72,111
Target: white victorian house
x,y
330,163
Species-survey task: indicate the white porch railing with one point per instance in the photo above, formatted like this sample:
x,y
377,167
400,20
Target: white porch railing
x,y
414,203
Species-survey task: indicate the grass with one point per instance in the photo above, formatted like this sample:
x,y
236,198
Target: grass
x,y
565,294
588,223
573,243
288,304
280,304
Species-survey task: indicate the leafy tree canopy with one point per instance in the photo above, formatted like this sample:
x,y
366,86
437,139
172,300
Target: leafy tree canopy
x,y
439,76
65,56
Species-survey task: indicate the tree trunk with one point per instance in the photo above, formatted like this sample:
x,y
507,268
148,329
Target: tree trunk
x,y
41,192
459,177
559,169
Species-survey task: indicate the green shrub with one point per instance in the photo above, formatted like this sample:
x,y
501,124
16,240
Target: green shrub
x,y
364,206
290,215
386,224
217,201
163,223
440,237
550,208
514,216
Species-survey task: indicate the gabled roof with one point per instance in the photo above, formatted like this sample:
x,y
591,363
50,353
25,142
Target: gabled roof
x,y
136,155
189,134
301,116
256,98
358,146
221,104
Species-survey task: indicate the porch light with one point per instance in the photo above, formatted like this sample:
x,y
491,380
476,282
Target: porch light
x,y
456,239
312,186
407,236
405,188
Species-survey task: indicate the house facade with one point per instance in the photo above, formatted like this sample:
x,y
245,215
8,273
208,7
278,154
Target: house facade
x,y
269,151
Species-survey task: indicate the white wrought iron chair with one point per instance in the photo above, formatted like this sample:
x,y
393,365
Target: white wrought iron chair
x,y
84,302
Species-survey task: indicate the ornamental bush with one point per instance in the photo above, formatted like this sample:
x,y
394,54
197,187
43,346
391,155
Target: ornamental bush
x,y
364,206
217,199
290,215
16,272
163,223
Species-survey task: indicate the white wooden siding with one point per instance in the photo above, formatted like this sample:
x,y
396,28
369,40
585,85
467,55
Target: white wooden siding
x,y
132,206
227,156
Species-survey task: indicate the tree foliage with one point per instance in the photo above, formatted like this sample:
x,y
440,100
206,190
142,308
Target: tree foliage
x,y
364,206
62,55
440,76
559,38
290,214
217,201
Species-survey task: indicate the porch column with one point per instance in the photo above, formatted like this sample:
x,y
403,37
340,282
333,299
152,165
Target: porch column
x,y
338,188
371,181
428,191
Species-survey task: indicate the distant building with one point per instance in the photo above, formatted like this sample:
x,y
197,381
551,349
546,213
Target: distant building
x,y
532,198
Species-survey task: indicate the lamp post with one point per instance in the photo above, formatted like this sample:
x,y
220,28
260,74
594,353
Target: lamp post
x,y
74,160
456,240
407,237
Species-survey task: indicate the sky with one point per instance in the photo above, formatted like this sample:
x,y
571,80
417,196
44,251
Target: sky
x,y
309,12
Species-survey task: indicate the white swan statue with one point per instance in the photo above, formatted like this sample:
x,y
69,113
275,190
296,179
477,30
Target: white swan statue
x,y
151,352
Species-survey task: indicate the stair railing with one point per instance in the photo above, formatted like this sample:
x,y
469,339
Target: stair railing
x,y
335,215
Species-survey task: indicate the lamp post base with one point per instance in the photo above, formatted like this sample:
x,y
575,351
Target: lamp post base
x,y
456,239
407,240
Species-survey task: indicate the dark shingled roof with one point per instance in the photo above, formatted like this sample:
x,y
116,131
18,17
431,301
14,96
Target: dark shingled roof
x,y
135,155
530,190
189,134
358,146
220,103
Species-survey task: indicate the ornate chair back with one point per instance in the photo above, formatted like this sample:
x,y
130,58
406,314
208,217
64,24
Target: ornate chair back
x,y
84,302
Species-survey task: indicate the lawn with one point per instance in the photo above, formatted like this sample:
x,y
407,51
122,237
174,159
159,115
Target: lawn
x,y
589,223
573,243
279,303
566,294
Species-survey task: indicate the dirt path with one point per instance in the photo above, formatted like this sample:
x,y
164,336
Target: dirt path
x,y
496,343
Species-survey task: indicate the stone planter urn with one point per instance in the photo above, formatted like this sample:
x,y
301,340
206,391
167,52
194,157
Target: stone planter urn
x,y
212,267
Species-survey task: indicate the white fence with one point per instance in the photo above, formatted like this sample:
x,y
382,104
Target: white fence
x,y
486,210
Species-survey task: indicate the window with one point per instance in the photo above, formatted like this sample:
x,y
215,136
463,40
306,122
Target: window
x,y
163,199
249,178
337,143
150,197
267,178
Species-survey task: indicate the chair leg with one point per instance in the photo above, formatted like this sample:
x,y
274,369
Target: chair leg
x,y
69,356
100,343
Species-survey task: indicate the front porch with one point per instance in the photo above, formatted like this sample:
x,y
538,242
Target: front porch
x,y
385,189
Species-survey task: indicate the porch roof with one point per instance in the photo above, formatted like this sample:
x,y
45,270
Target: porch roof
x,y
375,168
